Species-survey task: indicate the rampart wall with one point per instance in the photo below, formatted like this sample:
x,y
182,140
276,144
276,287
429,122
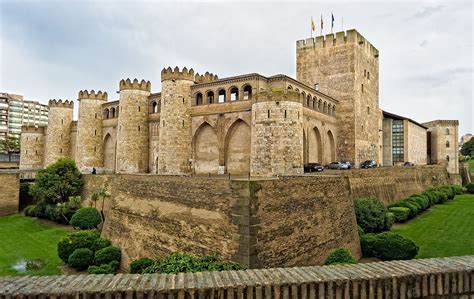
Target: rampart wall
x,y
9,192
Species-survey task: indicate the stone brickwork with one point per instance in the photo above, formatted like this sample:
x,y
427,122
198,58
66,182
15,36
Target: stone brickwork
x,y
175,121
444,144
58,134
132,133
416,143
9,193
451,277
345,66
32,150
89,130
277,134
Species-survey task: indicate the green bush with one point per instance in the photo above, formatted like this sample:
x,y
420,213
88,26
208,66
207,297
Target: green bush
x,y
81,259
82,239
470,188
389,220
137,266
86,218
413,209
57,182
110,268
107,255
30,211
181,262
424,203
340,256
370,214
431,197
388,246
361,231
458,189
367,244
400,213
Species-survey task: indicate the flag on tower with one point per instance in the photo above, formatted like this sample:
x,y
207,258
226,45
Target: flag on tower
x,y
313,28
332,21
322,24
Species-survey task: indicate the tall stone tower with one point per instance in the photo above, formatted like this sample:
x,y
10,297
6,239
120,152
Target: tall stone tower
x,y
32,147
132,134
58,133
175,127
89,130
277,134
346,67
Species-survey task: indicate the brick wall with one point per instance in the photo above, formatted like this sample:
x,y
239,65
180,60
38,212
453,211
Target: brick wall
x,y
9,193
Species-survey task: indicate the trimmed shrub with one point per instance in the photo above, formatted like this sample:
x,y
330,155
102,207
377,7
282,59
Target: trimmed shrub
x,y
458,189
340,256
370,214
389,220
82,239
86,218
110,268
400,213
81,259
431,197
137,266
107,255
367,244
423,202
391,246
405,204
470,188
30,211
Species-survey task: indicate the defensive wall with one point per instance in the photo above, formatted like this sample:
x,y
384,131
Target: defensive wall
x,y
451,277
274,222
9,192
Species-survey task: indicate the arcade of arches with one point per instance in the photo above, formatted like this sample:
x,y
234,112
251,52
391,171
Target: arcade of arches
x,y
317,147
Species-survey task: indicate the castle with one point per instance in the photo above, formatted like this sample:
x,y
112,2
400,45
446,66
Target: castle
x,y
243,125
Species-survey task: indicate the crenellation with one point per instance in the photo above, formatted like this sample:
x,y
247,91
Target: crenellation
x,y
84,94
128,84
206,78
60,103
32,129
176,74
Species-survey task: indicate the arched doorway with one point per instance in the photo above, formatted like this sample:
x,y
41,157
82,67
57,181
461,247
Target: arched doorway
x,y
238,148
315,148
206,150
109,154
331,147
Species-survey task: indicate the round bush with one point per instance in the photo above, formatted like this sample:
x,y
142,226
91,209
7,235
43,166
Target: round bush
x,y
470,188
458,189
107,255
86,218
391,246
370,214
422,202
83,239
340,256
410,206
110,268
137,266
367,244
431,197
81,259
400,213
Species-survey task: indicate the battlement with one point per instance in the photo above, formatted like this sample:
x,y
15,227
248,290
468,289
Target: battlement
x,y
351,36
32,129
206,78
442,122
84,94
60,103
128,84
176,74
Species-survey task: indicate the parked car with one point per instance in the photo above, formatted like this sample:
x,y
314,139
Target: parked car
x,y
334,165
408,164
346,165
313,167
369,164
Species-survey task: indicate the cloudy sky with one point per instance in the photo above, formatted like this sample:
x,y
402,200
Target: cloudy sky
x,y
53,49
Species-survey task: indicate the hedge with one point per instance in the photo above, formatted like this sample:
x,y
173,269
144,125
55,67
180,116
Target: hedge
x,y
107,255
340,256
110,268
86,218
388,246
400,213
470,188
82,239
81,259
137,266
370,214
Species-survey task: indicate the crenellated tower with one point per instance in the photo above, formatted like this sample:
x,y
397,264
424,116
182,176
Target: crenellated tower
x,y
277,133
132,130
58,133
89,151
175,121
32,147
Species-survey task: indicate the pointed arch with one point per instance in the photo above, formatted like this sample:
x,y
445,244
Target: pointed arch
x,y
205,149
305,148
331,147
315,146
109,154
237,148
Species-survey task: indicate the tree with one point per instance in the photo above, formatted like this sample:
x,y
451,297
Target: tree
x,y
99,194
468,148
10,145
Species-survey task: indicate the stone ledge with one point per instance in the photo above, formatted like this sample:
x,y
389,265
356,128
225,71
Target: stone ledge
x,y
432,278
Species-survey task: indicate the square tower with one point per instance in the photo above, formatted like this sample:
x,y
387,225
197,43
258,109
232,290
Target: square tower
x,y
443,142
345,66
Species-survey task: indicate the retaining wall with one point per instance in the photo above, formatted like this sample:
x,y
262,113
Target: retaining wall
x,y
9,192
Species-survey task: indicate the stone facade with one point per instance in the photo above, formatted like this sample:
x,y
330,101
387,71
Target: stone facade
x,y
416,148
443,142
9,193
32,150
58,133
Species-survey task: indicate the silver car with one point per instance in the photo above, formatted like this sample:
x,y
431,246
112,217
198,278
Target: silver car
x,y
334,165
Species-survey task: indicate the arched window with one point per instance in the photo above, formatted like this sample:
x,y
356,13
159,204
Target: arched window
x,y
112,112
106,113
154,107
199,99
320,105
304,98
117,111
234,94
447,144
221,96
315,103
447,158
290,87
308,101
325,108
447,131
248,92
333,110
210,97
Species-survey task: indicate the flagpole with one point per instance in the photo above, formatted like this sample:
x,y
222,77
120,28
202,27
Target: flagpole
x,y
332,22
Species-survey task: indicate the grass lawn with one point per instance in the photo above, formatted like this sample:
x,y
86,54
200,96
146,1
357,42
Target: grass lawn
x,y
471,165
25,238
444,230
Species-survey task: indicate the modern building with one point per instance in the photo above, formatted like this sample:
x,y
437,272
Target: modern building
x,y
15,112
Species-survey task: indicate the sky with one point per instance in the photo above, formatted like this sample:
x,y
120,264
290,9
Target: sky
x,y
53,49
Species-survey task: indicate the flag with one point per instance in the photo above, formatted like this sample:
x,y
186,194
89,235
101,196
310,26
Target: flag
x,y
313,28
332,20
322,23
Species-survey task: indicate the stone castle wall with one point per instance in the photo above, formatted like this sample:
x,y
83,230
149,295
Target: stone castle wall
x,y
9,193
58,134
416,146
32,149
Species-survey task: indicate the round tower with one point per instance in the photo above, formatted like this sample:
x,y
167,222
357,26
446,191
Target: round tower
x,y
32,147
132,130
58,132
277,134
89,152
175,121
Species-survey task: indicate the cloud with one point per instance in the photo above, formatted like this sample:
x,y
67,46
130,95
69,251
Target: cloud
x,y
428,11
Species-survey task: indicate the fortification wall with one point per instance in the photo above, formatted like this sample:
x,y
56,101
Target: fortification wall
x,y
32,147
9,193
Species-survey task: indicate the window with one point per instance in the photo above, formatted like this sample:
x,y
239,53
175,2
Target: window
x,y
154,107
221,96
248,92
365,73
316,86
362,88
447,158
210,97
234,94
397,141
268,113
447,144
447,131
368,110
285,113
199,99
368,75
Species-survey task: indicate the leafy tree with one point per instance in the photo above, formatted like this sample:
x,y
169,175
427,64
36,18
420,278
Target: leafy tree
x,y
57,182
99,194
467,148
10,145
